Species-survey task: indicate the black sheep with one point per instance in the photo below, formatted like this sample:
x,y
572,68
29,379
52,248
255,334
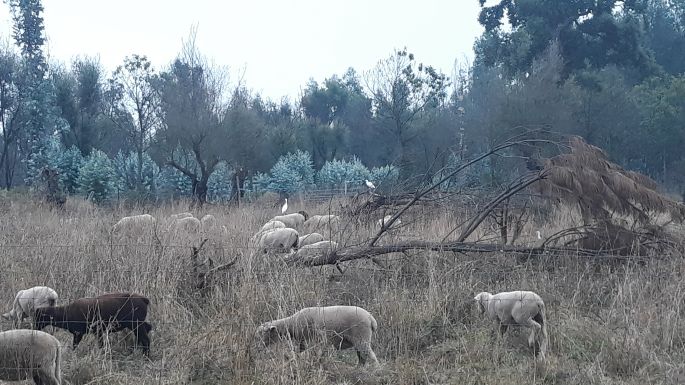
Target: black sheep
x,y
111,312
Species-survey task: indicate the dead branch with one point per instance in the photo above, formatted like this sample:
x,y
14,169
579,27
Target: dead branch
x,y
367,252
521,184
419,194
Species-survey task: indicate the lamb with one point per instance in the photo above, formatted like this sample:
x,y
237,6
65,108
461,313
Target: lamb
x,y
328,222
278,239
308,239
133,224
342,326
292,221
272,224
381,222
26,301
30,354
114,312
523,308
313,250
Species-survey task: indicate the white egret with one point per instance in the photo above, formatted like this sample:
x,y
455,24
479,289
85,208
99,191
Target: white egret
x,y
285,206
538,234
369,184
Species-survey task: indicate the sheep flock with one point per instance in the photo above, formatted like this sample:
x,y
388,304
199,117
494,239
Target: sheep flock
x,y
133,303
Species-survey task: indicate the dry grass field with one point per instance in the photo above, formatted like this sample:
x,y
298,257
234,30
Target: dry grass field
x,y
608,324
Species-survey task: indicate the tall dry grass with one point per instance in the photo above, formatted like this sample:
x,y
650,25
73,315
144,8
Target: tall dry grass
x,y
608,324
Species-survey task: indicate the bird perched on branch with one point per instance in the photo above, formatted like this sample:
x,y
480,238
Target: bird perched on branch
x,y
369,184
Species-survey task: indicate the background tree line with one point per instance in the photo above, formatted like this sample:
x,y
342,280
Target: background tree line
x,y
610,71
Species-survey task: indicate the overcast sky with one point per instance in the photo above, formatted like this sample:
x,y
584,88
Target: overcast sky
x,y
276,45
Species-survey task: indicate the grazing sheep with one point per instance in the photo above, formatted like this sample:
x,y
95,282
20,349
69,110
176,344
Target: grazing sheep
x,y
272,224
209,221
292,221
381,222
327,222
26,301
174,217
209,225
523,308
313,250
189,225
308,239
30,354
114,312
134,224
342,326
278,240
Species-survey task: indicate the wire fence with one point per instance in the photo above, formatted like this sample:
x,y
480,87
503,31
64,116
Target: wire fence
x,y
164,330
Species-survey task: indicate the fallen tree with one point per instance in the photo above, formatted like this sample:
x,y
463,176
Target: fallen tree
x,y
582,176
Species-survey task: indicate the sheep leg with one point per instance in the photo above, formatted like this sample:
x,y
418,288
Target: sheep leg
x,y
142,338
503,329
45,378
534,327
77,340
365,353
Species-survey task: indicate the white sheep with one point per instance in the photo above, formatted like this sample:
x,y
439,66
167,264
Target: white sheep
x,y
313,250
189,225
381,222
133,225
293,221
325,222
522,308
27,301
174,217
30,354
308,239
342,326
272,224
278,240
209,224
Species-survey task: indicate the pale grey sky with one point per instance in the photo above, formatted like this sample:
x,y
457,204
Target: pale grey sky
x,y
278,45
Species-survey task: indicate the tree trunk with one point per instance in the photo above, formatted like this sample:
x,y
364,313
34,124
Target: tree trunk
x,y
239,189
139,172
200,190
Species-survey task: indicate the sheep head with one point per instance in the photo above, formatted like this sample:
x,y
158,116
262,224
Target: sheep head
x,y
266,334
482,299
304,214
43,317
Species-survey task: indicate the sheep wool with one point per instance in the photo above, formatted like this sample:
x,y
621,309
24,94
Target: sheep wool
x,y
26,301
344,327
37,353
309,239
517,308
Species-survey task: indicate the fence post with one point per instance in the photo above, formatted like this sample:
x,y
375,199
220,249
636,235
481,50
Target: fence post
x,y
345,193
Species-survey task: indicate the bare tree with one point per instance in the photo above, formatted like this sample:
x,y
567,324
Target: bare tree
x,y
402,91
134,106
193,136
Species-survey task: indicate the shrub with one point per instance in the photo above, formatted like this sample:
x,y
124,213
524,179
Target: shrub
x,y
336,173
97,177
126,169
292,173
220,184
